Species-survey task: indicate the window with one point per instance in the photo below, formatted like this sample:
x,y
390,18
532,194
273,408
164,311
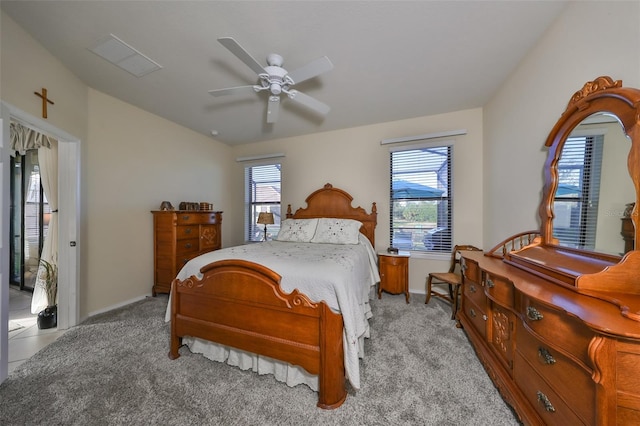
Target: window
x,y
576,200
262,194
421,198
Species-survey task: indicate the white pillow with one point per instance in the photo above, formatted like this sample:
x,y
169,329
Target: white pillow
x,y
337,231
297,230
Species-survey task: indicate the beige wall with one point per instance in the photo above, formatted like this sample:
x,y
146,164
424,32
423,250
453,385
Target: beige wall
x,y
354,160
135,161
588,40
128,167
27,67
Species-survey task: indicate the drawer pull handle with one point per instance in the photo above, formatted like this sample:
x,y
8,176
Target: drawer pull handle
x,y
188,245
472,288
533,314
472,312
187,231
546,357
490,283
484,317
542,399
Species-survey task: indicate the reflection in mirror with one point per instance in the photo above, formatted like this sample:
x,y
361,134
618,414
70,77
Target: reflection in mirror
x,y
594,187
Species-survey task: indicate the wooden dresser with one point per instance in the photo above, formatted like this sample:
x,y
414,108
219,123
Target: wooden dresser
x,y
557,356
557,324
179,236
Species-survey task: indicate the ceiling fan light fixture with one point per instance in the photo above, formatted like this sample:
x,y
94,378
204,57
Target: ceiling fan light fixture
x,y
275,60
275,89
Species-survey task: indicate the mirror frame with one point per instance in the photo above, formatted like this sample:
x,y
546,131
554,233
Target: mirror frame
x,y
578,269
600,95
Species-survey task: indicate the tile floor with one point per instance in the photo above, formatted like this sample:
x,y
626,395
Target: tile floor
x,y
26,340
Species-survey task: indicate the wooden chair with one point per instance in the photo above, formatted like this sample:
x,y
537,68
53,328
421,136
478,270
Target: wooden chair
x,y
452,279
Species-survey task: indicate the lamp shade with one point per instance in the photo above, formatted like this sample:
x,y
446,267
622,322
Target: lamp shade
x,y
265,219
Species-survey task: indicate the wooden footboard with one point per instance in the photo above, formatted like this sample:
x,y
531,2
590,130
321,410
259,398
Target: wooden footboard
x,y
240,304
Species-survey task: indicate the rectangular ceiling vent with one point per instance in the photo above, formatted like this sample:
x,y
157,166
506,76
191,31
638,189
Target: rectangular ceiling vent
x,y
126,57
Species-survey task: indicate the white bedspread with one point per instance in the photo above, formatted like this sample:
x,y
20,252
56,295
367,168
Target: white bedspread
x,y
340,275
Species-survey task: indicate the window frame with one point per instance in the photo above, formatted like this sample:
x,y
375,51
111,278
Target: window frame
x,y
418,248
252,207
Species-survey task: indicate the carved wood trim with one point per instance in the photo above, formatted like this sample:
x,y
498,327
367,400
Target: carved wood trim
x,y
591,87
209,235
501,331
334,202
602,352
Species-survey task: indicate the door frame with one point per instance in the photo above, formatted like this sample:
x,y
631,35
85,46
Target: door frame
x,y
69,224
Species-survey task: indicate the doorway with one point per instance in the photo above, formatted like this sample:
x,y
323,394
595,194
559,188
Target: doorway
x,y
69,228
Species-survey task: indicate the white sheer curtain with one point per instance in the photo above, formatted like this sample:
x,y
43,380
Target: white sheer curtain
x,y
48,162
22,139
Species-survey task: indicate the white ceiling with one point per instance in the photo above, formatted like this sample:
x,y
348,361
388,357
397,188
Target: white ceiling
x,y
392,59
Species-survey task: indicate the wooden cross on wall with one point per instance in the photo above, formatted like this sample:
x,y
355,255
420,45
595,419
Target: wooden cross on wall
x,y
43,95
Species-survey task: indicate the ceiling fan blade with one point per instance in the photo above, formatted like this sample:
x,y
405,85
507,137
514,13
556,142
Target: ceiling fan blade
x,y
232,90
312,69
242,54
309,102
273,109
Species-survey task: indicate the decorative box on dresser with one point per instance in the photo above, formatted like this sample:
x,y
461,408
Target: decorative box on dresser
x,y
394,273
557,328
179,236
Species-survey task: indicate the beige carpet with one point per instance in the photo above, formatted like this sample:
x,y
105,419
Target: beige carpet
x,y
114,370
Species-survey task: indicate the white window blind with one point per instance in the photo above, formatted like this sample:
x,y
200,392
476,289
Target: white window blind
x,y
421,198
577,196
262,194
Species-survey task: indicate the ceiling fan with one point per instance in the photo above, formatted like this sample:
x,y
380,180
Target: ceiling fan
x,y
277,80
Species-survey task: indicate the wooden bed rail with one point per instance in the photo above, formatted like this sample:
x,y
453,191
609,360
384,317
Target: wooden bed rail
x,y
513,243
240,304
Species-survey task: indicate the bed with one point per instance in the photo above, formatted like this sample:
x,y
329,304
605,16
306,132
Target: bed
x,y
310,321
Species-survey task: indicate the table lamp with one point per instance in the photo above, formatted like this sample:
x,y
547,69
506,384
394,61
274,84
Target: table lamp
x,y
265,219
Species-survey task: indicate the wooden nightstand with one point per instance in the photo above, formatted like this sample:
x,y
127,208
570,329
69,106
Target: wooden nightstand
x,y
394,273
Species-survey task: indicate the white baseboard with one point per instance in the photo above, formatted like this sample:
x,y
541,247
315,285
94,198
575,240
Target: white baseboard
x,y
118,305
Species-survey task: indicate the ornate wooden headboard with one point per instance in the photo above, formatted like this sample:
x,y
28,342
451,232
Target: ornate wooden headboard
x,y
333,202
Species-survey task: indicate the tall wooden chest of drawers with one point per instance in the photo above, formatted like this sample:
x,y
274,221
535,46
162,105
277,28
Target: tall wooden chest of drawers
x,y
179,236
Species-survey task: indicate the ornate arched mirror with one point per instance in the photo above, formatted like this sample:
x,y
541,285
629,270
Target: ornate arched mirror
x,y
592,181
